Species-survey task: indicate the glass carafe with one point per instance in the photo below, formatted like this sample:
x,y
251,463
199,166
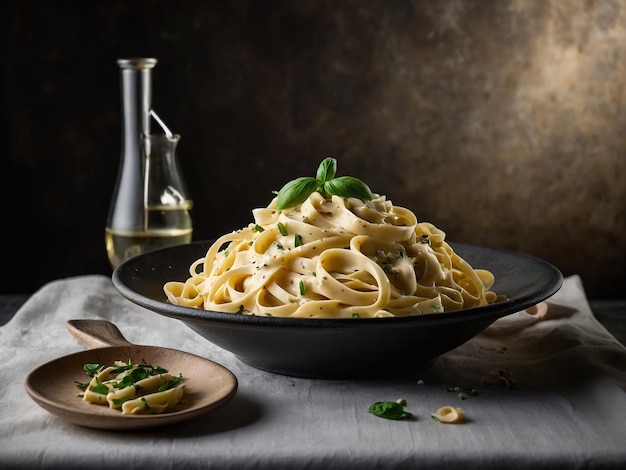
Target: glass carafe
x,y
150,207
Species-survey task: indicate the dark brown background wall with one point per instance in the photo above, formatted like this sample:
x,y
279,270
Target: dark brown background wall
x,y
501,121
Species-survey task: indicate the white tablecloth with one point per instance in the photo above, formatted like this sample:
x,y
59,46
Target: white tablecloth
x,y
565,406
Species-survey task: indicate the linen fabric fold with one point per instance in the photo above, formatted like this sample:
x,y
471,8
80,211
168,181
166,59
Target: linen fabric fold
x,y
543,388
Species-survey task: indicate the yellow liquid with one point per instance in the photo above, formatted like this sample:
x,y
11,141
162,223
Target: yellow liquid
x,y
122,246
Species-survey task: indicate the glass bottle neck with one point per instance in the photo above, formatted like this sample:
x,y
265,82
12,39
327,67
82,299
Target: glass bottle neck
x,y
136,85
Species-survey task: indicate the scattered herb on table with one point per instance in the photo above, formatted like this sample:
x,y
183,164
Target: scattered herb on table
x,y
501,377
464,392
389,410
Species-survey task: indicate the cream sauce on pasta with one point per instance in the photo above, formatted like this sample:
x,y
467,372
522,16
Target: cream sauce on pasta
x,y
333,258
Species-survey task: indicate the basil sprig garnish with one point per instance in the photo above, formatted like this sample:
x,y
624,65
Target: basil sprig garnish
x,y
297,191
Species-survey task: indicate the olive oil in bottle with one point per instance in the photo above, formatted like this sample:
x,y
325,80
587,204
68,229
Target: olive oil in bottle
x,y
122,245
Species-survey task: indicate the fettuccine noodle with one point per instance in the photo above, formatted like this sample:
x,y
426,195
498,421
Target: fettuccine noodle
x,y
120,387
333,258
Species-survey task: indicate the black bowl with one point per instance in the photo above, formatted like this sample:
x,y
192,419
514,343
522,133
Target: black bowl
x,y
339,348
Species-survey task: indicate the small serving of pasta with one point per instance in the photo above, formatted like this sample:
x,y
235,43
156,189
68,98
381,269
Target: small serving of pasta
x,y
132,388
331,256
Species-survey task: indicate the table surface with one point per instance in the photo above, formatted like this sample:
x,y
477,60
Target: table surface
x,y
565,409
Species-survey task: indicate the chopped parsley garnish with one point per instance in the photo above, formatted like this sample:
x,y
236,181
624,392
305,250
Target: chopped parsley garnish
x,y
92,369
125,385
81,385
297,240
120,401
122,368
282,229
172,383
135,376
137,372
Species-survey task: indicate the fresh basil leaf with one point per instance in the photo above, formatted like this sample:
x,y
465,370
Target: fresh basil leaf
x,y
295,192
389,410
348,186
100,388
119,369
327,169
155,370
135,376
120,401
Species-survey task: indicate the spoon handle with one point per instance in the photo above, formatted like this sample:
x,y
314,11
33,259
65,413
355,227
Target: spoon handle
x,y
96,333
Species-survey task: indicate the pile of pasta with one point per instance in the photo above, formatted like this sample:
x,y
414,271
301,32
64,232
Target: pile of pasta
x,y
134,388
333,258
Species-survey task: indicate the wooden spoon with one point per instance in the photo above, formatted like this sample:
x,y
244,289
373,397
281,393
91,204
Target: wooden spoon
x,y
208,385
